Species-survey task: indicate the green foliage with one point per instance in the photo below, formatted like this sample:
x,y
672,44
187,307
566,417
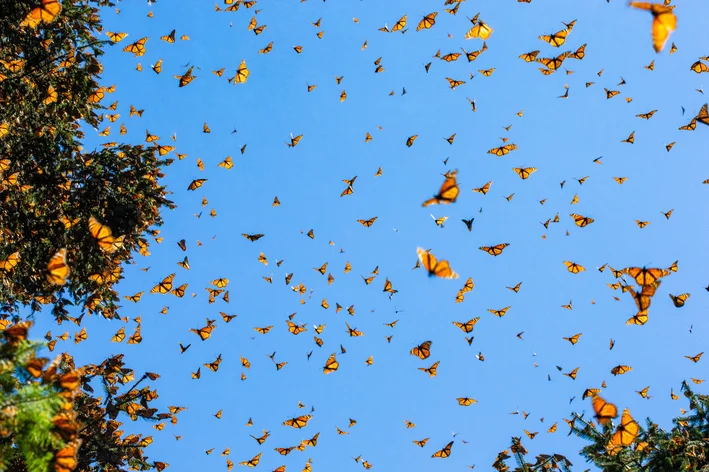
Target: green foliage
x,y
50,185
28,408
683,448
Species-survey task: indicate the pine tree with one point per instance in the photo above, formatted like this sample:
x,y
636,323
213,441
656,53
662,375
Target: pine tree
x,y
685,447
36,421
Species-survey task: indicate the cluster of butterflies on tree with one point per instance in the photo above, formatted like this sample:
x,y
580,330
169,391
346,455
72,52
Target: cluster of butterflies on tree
x,y
647,280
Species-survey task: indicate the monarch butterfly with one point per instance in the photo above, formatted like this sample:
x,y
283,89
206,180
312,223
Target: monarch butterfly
x,y
468,223
431,371
253,462
331,365
572,374
116,37
679,300
400,25
226,163
467,326
579,54
644,276
195,184
501,312
555,39
52,96
439,221
104,236
134,111
47,11
445,452
480,30
630,139
179,292
621,369
284,451
186,78
625,434
484,189
553,63
503,150
422,351
220,283
312,442
434,267
389,288
137,48
611,93
427,22
696,358
573,339
294,328
450,57
134,298
516,288
466,401
448,192
353,331
203,333
573,267
664,22
298,422
469,285
642,300
253,237
165,286
170,38
691,126
80,336
494,250
294,140
472,55
529,56
65,460
267,49
454,10
367,223
580,220
119,336
487,72
57,269
639,318
421,443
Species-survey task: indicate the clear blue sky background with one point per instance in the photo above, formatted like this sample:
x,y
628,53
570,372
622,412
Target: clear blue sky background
x,y
560,137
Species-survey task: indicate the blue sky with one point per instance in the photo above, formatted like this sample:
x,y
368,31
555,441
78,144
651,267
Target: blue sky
x,y
560,137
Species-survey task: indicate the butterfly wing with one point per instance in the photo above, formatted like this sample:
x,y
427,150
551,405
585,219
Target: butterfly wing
x,y
662,25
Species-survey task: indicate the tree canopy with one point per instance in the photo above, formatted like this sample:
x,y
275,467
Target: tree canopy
x,y
51,187
69,217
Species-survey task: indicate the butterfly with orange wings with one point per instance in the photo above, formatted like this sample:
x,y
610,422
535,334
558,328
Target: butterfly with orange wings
x,y
448,192
664,22
437,268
